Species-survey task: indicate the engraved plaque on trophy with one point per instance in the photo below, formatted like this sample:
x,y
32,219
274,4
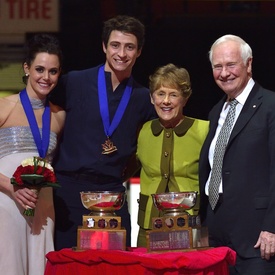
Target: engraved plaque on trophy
x,y
101,229
176,229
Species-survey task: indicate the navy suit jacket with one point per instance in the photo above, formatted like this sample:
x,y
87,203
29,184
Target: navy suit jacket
x,y
248,172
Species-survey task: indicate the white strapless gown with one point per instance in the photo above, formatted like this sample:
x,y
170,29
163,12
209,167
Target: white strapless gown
x,y
24,241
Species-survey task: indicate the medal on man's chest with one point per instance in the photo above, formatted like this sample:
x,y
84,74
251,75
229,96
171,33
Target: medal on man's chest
x,y
108,147
109,128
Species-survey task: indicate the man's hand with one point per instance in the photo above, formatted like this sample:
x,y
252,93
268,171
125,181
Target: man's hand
x,y
266,243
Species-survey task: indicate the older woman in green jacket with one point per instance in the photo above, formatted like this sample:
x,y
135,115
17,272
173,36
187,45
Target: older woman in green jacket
x,y
168,147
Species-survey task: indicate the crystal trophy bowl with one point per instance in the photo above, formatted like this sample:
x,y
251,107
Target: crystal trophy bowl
x,y
174,203
102,203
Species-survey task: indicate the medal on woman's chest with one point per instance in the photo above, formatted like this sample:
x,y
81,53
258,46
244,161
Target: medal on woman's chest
x,y
108,146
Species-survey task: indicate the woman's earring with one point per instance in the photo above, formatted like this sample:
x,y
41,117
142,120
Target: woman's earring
x,y
27,75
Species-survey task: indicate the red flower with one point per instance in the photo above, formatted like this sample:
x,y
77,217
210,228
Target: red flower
x,y
34,173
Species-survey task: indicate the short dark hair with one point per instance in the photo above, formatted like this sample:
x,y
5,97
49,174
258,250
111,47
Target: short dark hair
x,y
126,24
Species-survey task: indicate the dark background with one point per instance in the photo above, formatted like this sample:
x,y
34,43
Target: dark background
x,y
177,31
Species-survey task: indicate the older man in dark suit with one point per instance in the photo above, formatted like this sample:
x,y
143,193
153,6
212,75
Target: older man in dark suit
x,y
237,163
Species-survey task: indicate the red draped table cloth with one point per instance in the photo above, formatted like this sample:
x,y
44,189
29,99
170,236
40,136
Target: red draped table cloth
x,y
213,261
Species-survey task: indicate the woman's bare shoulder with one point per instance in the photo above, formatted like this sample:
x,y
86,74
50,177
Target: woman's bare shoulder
x,y
58,118
7,104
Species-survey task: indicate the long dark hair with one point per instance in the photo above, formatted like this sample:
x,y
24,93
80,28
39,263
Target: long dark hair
x,y
42,43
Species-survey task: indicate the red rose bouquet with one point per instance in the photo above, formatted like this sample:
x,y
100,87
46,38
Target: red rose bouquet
x,y
34,173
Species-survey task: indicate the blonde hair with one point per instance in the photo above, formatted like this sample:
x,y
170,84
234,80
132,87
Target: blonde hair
x,y
171,76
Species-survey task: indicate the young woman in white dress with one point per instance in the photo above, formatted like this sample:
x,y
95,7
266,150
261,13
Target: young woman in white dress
x,y
29,126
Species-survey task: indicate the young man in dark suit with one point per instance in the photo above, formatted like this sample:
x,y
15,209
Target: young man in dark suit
x,y
105,107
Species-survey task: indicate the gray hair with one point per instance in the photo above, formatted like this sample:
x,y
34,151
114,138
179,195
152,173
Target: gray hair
x,y
246,51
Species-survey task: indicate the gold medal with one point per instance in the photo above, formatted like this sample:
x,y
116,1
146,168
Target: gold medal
x,y
108,147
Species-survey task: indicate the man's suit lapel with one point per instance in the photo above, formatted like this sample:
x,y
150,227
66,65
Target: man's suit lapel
x,y
215,116
251,105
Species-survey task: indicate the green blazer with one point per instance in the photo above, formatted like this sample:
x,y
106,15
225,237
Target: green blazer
x,y
169,162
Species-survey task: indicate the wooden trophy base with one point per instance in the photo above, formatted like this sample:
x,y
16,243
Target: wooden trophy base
x,y
107,239
101,232
176,233
160,240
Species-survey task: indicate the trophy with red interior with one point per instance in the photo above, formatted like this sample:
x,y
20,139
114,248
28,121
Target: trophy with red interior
x,y
175,229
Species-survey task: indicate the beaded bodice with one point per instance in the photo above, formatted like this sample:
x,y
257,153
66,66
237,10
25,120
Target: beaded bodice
x,y
19,139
